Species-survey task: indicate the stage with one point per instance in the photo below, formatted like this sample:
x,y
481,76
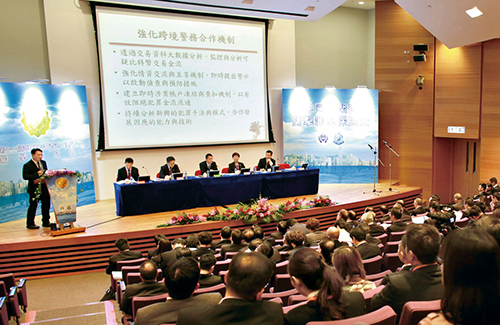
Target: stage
x,y
31,253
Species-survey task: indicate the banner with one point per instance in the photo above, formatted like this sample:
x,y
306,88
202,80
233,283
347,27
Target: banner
x,y
62,189
332,129
53,118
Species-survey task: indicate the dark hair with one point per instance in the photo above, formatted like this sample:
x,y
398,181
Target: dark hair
x,y
307,266
248,274
164,246
471,272
481,206
423,240
235,154
488,185
474,211
266,249
327,246
290,222
436,198
402,202
254,244
207,261
148,270
208,155
358,233
295,237
181,278
184,252
248,235
269,151
396,213
344,214
469,201
192,241
493,180
436,206
129,160
483,186
159,237
384,209
348,264
170,158
225,232
34,150
179,241
282,226
258,233
205,238
312,224
122,244
491,225
236,236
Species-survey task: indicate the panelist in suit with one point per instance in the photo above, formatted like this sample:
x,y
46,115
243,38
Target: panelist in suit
x,y
208,164
32,170
246,279
128,171
236,164
267,162
169,168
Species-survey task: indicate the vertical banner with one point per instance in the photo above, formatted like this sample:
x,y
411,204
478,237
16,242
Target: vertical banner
x,y
62,189
53,118
333,130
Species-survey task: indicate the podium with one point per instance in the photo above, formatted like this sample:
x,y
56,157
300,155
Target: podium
x,y
62,186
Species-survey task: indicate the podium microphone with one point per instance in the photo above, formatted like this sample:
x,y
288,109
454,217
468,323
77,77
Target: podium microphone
x,y
385,142
146,170
370,146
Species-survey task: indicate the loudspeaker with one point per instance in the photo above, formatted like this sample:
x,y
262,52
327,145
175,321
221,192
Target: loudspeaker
x,y
421,47
419,58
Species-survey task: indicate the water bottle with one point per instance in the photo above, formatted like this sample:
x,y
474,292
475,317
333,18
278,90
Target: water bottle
x,y
185,174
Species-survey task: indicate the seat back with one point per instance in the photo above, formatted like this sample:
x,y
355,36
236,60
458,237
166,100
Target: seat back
x,y
382,316
391,262
4,315
133,277
139,302
295,299
284,166
283,295
378,276
368,295
197,173
229,255
136,262
290,307
462,223
129,269
221,266
282,283
8,279
373,265
225,170
220,288
396,236
383,238
414,311
282,267
391,247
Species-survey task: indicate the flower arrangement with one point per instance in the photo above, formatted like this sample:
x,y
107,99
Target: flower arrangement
x,y
184,219
51,173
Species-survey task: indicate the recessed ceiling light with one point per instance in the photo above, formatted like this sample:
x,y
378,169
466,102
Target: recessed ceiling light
x,y
248,2
361,3
474,12
310,8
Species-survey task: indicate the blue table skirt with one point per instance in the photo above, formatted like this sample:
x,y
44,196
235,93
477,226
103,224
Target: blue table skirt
x,y
161,196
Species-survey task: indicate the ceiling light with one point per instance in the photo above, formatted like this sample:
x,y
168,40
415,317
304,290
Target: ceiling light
x,y
474,12
361,3
248,2
310,8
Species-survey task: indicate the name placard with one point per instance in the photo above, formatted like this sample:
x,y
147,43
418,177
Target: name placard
x,y
456,129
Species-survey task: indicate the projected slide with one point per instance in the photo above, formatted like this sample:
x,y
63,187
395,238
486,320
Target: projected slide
x,y
181,80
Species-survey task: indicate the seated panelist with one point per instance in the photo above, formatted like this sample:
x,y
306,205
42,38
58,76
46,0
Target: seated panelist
x,y
267,162
128,171
208,164
169,168
236,164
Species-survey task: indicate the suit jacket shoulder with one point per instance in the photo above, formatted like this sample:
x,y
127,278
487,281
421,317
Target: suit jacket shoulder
x,y
367,250
142,289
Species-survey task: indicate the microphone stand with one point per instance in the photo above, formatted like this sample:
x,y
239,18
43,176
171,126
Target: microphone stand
x,y
375,159
390,165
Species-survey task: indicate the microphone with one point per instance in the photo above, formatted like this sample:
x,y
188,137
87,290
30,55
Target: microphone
x,y
385,142
370,146
146,170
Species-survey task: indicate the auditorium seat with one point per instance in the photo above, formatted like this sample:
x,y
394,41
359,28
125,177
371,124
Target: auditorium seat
x,y
288,308
414,311
296,299
391,262
283,295
282,283
197,173
119,265
396,236
462,223
225,170
12,300
221,266
373,265
282,267
10,281
4,315
383,238
230,255
139,302
157,175
220,288
368,295
378,276
391,247
382,316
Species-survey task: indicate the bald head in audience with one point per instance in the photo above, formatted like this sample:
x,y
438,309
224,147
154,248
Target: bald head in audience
x,y
333,233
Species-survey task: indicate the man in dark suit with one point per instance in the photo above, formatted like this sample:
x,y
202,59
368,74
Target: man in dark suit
x,y
494,184
169,168
315,236
125,254
333,233
365,249
282,228
225,234
207,278
208,164
32,171
236,164
458,204
205,244
397,224
169,258
374,229
246,279
181,280
148,287
267,162
384,210
128,171
294,239
419,208
235,246
423,281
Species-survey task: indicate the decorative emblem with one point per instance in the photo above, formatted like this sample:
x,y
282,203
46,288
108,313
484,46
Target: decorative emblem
x,y
338,139
323,138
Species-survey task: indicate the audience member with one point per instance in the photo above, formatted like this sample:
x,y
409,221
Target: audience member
x,y
225,234
442,219
168,258
295,225
125,254
458,202
403,207
270,252
294,239
163,246
148,287
351,220
207,265
342,217
374,229
475,214
369,239
482,191
403,257
192,242
471,273
419,208
248,235
282,228
205,244
154,252
349,265
181,280
397,224
384,210
326,248
315,235
494,184
333,233
365,249
246,279
185,252
259,234
236,244
323,288
491,225
423,281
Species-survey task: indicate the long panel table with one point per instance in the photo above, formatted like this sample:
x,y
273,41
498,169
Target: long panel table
x,y
162,196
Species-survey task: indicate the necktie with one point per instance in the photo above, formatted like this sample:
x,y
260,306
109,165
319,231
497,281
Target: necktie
x,y
128,173
236,166
39,165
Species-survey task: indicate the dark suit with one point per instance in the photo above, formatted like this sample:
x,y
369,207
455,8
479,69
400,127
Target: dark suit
x,y
30,173
419,210
232,167
396,227
385,280
142,289
165,170
300,227
209,280
419,284
368,250
314,238
458,206
167,258
203,250
234,311
167,312
352,302
277,235
264,165
372,240
204,166
376,230
122,173
122,256
231,248
220,243
385,217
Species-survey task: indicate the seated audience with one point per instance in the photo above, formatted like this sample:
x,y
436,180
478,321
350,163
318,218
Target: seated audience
x,y
419,208
365,249
192,242
246,279
342,217
168,258
125,254
154,252
348,264
458,204
323,288
374,229
423,281
163,246
185,252
494,184
326,248
295,225
259,234
248,235
468,203
351,220
369,239
482,191
315,235
441,218
403,257
270,252
294,239
205,244
491,225
333,233
471,273
475,214
236,244
384,210
148,287
207,278
225,234
397,224
282,229
181,280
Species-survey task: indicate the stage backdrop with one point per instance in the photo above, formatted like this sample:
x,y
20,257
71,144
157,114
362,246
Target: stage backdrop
x,y
332,129
53,118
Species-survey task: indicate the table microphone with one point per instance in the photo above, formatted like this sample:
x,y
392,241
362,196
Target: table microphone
x,y
146,170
